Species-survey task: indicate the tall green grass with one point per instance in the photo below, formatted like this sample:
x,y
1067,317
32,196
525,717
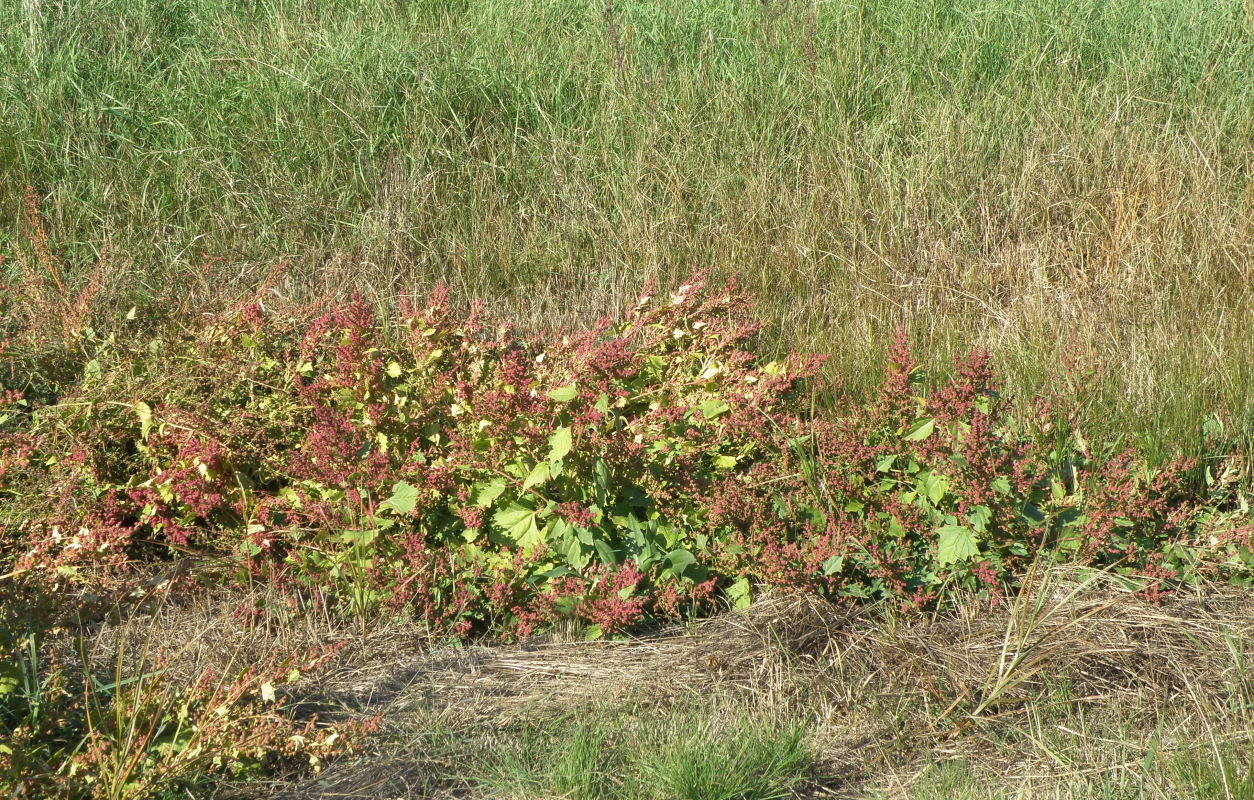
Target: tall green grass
x,y
1064,182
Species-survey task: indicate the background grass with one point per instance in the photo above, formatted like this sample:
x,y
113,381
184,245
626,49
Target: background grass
x,y
1069,183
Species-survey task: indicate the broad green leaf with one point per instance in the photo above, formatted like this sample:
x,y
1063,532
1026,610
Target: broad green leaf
x,y
724,462
603,478
1001,485
576,555
518,523
920,430
895,528
564,394
360,538
560,444
9,678
539,474
954,543
885,463
979,518
394,369
485,494
605,552
935,486
404,497
680,560
833,565
740,593
1032,515
714,408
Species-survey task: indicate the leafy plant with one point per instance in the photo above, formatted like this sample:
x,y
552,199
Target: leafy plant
x,y
427,464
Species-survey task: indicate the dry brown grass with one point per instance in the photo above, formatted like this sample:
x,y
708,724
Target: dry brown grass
x,y
1074,681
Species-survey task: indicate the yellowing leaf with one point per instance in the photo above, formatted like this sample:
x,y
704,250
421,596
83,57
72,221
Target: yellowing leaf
x,y
144,412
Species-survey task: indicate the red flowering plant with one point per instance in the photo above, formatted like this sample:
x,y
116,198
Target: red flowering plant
x,y
903,497
429,462
513,473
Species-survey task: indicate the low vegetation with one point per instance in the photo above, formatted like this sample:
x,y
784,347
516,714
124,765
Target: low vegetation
x,y
360,406
421,466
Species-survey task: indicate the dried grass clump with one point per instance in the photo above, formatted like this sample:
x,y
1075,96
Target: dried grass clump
x,y
1073,656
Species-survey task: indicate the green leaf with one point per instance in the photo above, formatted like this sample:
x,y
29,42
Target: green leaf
x,y
605,552
885,463
576,556
680,560
714,408
394,369
954,543
724,462
539,474
485,494
603,478
740,593
360,538
564,394
144,412
9,677
920,430
979,518
518,523
404,497
560,443
935,486
833,565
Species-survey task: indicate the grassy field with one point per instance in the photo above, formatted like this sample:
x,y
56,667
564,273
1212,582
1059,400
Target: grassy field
x,y
1067,183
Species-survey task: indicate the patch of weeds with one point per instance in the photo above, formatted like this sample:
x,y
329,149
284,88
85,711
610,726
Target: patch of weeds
x,y
552,760
678,755
701,757
947,780
1225,772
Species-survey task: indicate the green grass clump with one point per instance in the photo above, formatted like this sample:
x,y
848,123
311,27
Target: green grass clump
x,y
1064,182
680,755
